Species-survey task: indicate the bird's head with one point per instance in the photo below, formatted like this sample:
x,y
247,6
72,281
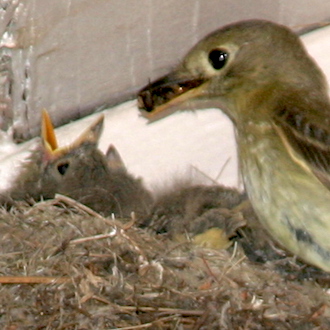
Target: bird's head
x,y
51,169
232,65
74,164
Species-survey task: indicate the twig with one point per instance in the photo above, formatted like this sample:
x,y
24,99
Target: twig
x,y
134,244
131,223
146,325
231,267
164,310
222,168
92,238
201,320
74,203
209,270
141,326
33,280
71,202
204,174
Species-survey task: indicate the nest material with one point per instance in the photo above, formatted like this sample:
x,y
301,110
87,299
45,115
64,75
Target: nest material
x,y
64,266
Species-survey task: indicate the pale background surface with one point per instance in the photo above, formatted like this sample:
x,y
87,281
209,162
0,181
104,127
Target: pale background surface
x,y
73,56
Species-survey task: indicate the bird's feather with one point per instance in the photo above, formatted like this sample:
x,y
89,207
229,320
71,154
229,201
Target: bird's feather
x,y
308,137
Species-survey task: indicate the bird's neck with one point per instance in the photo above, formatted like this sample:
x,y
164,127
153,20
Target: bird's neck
x,y
259,105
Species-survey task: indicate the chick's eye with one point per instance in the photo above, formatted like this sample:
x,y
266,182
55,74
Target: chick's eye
x,y
63,167
218,58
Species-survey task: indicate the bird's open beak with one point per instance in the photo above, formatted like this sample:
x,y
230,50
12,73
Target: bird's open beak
x,y
49,140
163,96
48,133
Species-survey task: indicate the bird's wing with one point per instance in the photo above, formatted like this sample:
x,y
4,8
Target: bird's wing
x,y
309,137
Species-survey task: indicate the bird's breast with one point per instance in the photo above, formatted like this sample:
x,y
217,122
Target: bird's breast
x,y
289,201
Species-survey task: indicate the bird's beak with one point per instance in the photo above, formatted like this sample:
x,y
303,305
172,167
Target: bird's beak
x,y
91,135
48,133
166,94
51,149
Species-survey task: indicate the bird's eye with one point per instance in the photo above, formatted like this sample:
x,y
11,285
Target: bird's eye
x,y
63,167
218,58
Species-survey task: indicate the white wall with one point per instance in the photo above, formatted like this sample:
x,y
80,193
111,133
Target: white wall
x,y
73,56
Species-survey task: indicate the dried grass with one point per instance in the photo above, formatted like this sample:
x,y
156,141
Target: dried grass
x,y
63,266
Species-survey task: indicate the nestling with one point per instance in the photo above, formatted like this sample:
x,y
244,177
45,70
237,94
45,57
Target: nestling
x,y
197,212
261,76
80,171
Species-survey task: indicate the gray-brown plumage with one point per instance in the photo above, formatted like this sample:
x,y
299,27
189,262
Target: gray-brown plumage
x,y
212,216
196,211
80,171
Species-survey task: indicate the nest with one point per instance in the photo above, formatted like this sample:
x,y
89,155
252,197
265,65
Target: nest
x,y
63,266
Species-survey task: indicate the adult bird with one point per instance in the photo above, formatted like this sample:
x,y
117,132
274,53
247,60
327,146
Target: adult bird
x,y
261,76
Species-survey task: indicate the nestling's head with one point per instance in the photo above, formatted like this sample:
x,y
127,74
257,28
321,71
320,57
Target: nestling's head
x,y
81,171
